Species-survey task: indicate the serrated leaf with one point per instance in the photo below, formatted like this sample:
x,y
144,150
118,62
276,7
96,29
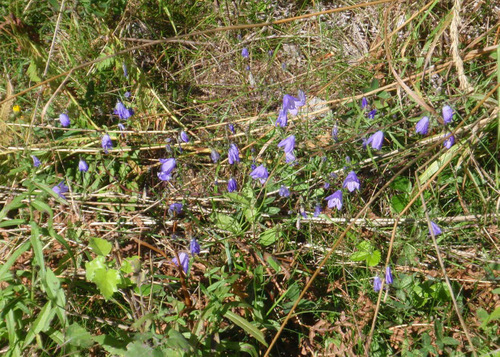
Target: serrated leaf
x,y
365,246
100,246
107,281
78,336
33,73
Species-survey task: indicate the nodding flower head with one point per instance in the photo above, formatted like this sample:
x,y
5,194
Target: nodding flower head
x,y
448,143
233,154
167,166
260,173
36,161
106,143
388,275
335,133
377,284
83,166
287,144
335,200
376,140
175,208
184,259
317,210
447,114
422,126
194,247
245,53
351,182
364,103
60,189
64,119
232,185
215,156
184,137
372,113
284,191
231,128
122,111
435,229
282,118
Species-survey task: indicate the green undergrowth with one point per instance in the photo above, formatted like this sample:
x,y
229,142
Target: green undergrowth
x,y
95,270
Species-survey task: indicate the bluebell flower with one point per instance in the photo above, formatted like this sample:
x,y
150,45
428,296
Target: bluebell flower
x,y
233,154
372,113
448,143
231,128
106,143
447,114
232,185
435,229
301,100
245,53
284,192
422,126
388,275
287,144
215,156
121,126
83,166
335,132
282,118
60,189
122,111
184,258
125,70
194,247
351,182
377,284
376,140
303,212
290,157
317,210
326,185
260,173
127,94
184,137
64,119
175,208
247,68
348,159
36,161
253,166
335,200
167,166
364,103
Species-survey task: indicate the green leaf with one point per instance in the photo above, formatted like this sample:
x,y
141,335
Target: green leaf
x,y
37,249
251,213
399,202
93,265
42,323
374,258
42,207
227,223
107,281
402,184
100,246
450,341
12,259
359,256
12,222
17,202
237,198
269,236
273,210
246,326
131,265
111,344
78,336
33,72
495,315
365,246
137,348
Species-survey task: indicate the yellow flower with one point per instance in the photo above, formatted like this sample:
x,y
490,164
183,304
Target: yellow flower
x,y
16,108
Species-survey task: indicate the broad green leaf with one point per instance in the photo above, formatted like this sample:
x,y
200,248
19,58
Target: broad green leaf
x,y
93,265
359,256
78,336
402,184
107,281
100,246
365,246
131,265
251,213
273,210
374,258
237,198
137,348
399,202
269,236
227,223
247,326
